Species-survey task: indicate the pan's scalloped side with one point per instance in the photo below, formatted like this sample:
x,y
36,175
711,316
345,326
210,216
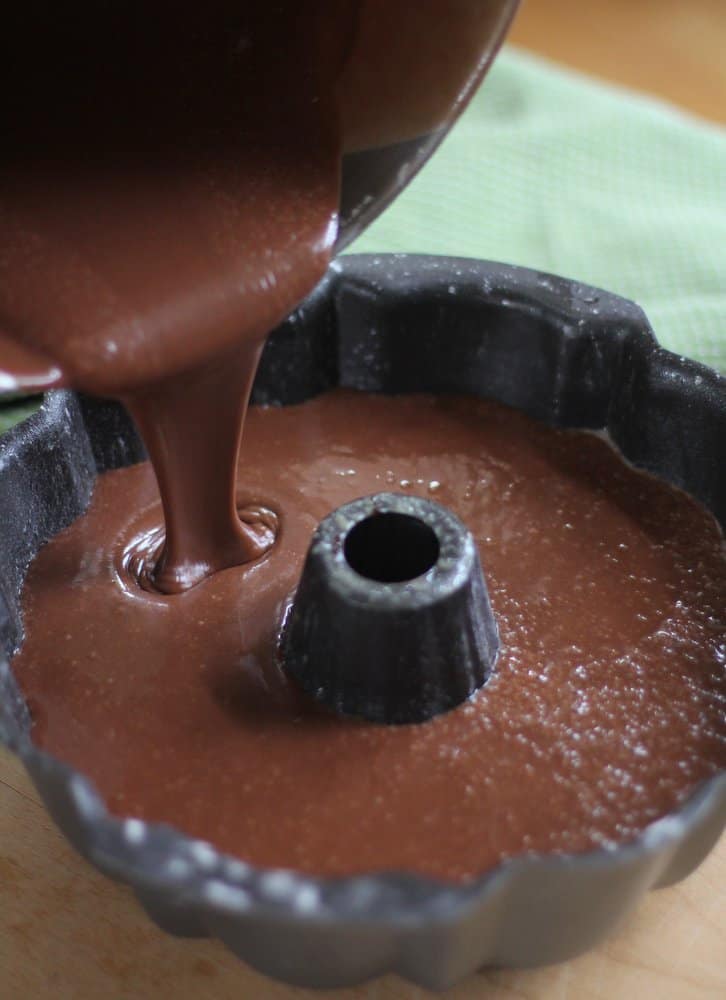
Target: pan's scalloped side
x,y
564,353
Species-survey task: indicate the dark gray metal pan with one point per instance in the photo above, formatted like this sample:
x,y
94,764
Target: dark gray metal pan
x,y
565,353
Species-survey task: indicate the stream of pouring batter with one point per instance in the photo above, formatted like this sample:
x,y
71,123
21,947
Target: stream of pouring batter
x,y
171,217
169,193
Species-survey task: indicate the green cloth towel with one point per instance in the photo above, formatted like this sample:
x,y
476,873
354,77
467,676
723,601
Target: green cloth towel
x,y
550,169
13,413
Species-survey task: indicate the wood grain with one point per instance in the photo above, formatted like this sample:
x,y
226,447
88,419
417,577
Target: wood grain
x,y
675,49
66,933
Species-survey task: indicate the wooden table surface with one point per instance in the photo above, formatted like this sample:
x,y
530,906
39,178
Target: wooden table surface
x,y
68,934
675,49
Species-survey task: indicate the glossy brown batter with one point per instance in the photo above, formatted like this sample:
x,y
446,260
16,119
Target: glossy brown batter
x,y
607,706
169,191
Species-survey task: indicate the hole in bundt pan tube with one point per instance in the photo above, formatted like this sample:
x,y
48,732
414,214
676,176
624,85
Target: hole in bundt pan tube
x,y
391,548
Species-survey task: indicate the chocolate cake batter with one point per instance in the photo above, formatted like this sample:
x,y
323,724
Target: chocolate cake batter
x,y
169,192
606,708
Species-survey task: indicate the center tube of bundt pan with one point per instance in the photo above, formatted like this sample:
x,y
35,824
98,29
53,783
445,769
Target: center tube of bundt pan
x,y
391,621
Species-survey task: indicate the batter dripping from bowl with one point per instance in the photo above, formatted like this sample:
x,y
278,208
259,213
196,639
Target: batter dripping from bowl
x,y
171,193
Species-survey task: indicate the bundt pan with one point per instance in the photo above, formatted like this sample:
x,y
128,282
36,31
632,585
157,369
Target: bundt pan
x,y
567,354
